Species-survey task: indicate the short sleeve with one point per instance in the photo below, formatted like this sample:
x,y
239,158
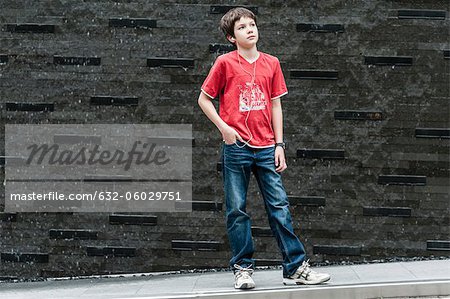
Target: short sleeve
x,y
278,84
215,81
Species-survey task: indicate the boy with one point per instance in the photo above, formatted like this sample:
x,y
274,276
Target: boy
x,y
250,84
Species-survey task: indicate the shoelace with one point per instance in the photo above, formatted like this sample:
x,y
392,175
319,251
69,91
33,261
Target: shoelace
x,y
245,272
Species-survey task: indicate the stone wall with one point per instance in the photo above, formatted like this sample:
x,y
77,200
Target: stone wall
x,y
366,121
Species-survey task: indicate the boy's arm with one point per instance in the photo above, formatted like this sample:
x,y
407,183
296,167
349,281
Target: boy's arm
x,y
229,135
277,123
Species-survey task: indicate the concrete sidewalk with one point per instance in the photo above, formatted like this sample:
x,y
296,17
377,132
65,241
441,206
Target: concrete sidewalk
x,y
403,279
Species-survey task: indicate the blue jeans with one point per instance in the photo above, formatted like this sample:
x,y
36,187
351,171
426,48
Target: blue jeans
x,y
238,163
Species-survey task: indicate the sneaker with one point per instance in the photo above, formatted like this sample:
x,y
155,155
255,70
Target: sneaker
x,y
304,275
243,277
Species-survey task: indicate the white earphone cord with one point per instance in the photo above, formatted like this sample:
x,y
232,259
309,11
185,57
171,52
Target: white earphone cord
x,y
251,102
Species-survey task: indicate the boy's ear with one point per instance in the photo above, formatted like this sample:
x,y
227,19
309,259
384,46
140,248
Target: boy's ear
x,y
231,39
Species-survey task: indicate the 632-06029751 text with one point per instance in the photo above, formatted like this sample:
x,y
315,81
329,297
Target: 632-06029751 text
x,y
100,195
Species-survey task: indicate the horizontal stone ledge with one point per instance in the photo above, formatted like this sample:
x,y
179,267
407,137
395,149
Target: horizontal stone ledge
x,y
172,141
111,251
388,60
337,250
433,133
410,180
260,231
132,23
77,60
421,14
3,59
438,245
15,106
267,262
312,27
8,278
313,74
357,115
222,9
321,154
387,211
30,28
311,201
12,160
198,205
446,54
24,257
74,234
166,62
114,101
76,139
8,217
133,219
221,48
190,245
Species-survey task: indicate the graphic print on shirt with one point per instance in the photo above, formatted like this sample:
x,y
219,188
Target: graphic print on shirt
x,y
251,97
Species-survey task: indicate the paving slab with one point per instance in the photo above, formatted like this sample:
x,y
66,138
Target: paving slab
x,y
421,278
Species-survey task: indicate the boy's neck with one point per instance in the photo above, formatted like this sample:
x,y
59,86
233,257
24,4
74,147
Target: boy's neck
x,y
250,54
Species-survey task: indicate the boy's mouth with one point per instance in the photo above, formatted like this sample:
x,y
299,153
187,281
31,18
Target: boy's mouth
x,y
251,36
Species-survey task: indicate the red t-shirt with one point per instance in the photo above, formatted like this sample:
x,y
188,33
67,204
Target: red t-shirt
x,y
239,97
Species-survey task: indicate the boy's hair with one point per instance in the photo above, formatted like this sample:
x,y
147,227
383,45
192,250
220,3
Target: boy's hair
x,y
233,15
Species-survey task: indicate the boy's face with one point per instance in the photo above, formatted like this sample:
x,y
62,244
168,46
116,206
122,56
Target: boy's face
x,y
245,33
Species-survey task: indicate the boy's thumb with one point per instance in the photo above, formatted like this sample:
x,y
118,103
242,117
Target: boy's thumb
x,y
239,137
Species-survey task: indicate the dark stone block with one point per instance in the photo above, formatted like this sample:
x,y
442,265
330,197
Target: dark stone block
x,y
78,234
170,62
133,219
76,139
105,178
412,180
320,154
85,61
258,231
438,245
446,54
314,74
198,205
8,217
267,262
3,59
30,28
132,23
24,257
29,106
312,201
337,250
432,133
304,27
12,160
111,251
388,60
358,115
387,211
114,101
221,48
223,9
195,245
421,14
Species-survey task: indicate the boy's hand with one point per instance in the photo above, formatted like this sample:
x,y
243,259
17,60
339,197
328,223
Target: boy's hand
x,y
280,160
230,135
